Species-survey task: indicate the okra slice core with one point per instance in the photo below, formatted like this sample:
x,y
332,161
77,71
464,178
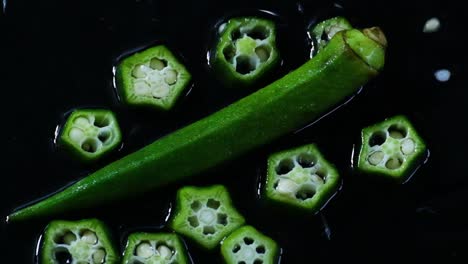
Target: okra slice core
x,y
85,241
391,148
89,134
249,246
301,178
205,214
246,50
153,77
324,31
154,248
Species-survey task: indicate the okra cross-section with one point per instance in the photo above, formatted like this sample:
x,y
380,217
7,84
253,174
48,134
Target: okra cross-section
x,y
325,30
154,248
77,242
391,148
153,78
89,134
246,245
301,178
205,214
246,50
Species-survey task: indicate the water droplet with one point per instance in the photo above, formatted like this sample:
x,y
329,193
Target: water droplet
x,y
442,75
432,25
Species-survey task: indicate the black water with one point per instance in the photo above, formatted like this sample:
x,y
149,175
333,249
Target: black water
x,y
58,55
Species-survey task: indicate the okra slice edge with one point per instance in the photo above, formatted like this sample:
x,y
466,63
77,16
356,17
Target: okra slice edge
x,y
300,178
205,214
391,148
324,31
89,134
77,242
147,248
153,78
248,245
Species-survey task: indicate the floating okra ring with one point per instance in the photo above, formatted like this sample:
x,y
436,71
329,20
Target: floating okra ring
x,y
205,214
147,248
391,148
153,78
89,134
325,30
248,246
301,178
246,50
79,242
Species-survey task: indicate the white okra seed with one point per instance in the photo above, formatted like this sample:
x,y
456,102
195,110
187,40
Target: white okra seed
x,y
144,250
262,53
165,252
396,134
157,64
316,179
89,237
376,157
99,256
407,146
76,134
139,71
393,163
170,76
141,88
286,186
69,238
160,91
82,122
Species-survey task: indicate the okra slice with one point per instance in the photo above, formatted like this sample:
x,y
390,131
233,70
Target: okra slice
x,y
301,178
246,245
89,134
391,148
246,50
77,242
325,30
153,78
149,248
205,214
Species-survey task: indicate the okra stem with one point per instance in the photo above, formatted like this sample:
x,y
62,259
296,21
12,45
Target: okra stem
x,y
348,61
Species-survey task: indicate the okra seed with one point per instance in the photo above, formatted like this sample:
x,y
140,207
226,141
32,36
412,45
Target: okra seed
x,y
99,256
89,237
244,64
104,136
62,256
222,219
69,238
212,203
306,160
322,173
258,32
263,53
397,132
165,252
376,157
157,64
284,166
260,249
160,91
141,88
82,121
193,221
171,76
377,139
139,71
209,230
248,240
101,122
305,192
317,179
286,186
144,250
196,205
407,146
393,163
76,134
89,145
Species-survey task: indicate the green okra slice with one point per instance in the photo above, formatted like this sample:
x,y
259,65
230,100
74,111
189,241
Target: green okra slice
x,y
349,61
153,78
154,248
391,148
301,178
89,134
205,214
325,30
77,242
246,50
246,245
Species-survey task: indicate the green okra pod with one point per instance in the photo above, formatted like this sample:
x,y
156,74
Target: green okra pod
x,y
246,50
391,148
247,245
77,242
350,60
301,178
153,78
205,214
154,248
89,134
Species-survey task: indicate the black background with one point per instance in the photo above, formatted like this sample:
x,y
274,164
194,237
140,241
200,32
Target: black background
x,y
58,55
